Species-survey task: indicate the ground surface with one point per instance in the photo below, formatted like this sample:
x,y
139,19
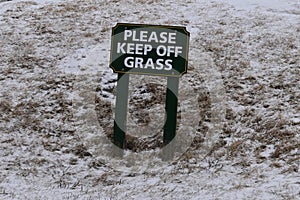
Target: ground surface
x,y
239,103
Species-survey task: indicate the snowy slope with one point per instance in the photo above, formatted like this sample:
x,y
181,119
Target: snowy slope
x,y
239,103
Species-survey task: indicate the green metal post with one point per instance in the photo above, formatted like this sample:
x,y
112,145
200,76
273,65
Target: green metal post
x,y
121,110
171,109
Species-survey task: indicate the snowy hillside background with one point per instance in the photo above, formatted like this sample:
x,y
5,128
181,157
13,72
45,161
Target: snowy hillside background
x,y
239,102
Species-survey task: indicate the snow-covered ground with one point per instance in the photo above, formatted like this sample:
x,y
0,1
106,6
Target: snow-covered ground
x,y
239,121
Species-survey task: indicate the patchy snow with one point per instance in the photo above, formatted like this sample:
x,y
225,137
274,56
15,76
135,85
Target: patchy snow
x,y
239,130
275,5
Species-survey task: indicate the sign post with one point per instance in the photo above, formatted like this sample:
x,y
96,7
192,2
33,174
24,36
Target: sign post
x,y
171,109
121,110
148,50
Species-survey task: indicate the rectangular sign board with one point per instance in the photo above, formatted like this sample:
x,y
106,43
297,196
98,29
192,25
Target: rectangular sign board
x,y
149,49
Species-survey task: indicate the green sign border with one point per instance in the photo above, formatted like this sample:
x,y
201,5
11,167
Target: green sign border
x,y
133,71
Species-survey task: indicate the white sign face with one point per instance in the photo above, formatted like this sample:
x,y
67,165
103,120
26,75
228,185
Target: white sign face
x,y
149,49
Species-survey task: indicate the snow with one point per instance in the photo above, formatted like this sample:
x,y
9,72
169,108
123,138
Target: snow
x,y
238,134
248,5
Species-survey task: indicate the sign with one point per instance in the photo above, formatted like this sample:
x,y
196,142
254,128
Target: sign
x,y
149,49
